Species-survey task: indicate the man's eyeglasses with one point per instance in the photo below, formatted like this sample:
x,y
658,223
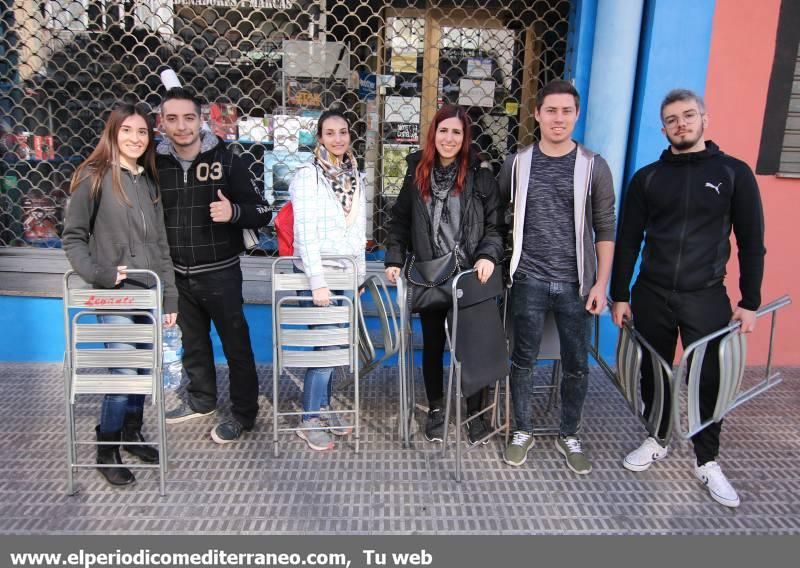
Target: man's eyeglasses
x,y
689,117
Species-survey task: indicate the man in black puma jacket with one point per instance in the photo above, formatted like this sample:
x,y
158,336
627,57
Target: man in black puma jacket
x,y
209,196
684,207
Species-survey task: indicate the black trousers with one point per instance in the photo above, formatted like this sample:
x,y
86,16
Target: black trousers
x,y
217,296
433,342
659,315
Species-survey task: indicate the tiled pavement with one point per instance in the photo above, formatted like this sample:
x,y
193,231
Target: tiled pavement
x,y
242,489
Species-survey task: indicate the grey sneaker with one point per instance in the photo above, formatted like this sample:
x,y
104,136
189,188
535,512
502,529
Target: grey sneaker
x,y
337,423
517,451
184,412
319,440
570,448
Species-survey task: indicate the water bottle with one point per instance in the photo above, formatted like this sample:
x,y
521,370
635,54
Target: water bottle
x,y
172,368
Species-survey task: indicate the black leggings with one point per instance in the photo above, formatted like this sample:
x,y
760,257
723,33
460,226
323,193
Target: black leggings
x,y
433,341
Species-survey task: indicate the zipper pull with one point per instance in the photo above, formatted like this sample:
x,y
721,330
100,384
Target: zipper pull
x,y
185,177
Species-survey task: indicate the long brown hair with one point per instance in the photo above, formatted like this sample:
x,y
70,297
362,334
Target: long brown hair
x,y
105,156
428,160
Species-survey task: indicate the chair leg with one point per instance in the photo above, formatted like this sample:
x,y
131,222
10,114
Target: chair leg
x,y
275,380
555,384
508,408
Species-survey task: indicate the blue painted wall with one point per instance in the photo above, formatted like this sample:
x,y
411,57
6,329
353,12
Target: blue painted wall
x,y
580,44
34,332
613,77
670,56
674,52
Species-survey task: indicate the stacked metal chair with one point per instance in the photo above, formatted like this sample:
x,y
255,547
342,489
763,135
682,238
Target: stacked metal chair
x,y
297,345
83,357
668,383
378,295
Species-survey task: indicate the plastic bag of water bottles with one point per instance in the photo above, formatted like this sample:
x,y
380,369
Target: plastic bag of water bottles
x,y
172,367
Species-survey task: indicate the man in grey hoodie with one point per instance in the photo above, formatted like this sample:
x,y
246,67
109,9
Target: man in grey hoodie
x,y
562,197
209,196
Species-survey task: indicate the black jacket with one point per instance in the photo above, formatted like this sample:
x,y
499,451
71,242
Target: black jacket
x,y
683,206
481,218
197,243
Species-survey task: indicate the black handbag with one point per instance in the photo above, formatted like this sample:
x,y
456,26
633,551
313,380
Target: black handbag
x,y
430,282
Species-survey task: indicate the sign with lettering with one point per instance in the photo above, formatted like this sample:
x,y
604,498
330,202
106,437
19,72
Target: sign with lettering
x,y
403,132
262,4
94,301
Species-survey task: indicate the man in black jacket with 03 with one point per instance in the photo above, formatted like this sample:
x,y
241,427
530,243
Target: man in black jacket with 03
x,y
209,197
684,206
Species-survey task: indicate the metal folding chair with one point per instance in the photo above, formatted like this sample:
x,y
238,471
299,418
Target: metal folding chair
x,y
405,365
82,357
549,350
732,361
296,344
377,295
489,301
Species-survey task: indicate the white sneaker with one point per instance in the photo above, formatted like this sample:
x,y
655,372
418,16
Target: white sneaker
x,y
718,485
643,457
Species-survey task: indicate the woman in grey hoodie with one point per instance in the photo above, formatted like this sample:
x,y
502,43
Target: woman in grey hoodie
x,y
114,223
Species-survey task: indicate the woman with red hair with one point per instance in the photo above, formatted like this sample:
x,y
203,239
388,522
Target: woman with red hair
x,y
447,202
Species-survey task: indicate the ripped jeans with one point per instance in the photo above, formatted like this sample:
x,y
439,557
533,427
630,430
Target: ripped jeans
x,y
531,299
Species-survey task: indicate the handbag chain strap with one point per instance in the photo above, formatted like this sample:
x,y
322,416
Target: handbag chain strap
x,y
432,284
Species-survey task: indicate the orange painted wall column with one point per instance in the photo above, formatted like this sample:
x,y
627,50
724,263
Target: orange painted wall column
x,y
742,52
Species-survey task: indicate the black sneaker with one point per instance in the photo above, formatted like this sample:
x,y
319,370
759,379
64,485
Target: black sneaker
x,y
227,432
476,431
434,425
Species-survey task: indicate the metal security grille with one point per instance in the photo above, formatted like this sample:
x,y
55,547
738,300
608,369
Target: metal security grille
x,y
267,68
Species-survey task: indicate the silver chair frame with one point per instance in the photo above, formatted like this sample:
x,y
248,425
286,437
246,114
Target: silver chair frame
x,y
92,302
377,291
287,311
406,365
549,350
455,373
732,361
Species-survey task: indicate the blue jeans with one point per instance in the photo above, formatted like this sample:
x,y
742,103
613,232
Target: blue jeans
x,y
317,383
531,299
116,406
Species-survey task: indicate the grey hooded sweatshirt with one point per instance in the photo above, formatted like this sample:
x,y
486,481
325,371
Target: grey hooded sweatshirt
x,y
124,235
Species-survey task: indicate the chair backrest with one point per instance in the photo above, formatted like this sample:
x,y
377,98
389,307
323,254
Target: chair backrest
x,y
378,295
630,349
732,357
732,354
86,338
477,338
306,335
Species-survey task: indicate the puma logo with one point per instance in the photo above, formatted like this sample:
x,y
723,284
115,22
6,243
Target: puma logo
x,y
714,187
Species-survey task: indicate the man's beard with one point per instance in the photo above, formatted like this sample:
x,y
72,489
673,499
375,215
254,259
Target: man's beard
x,y
182,144
688,143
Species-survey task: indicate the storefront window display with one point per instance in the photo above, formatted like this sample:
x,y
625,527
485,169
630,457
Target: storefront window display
x,y
266,68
